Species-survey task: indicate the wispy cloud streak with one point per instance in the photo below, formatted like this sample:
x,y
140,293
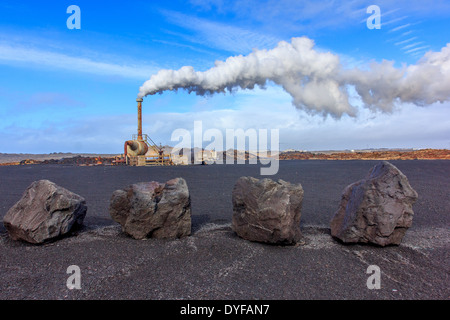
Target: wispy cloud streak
x,y
220,36
10,54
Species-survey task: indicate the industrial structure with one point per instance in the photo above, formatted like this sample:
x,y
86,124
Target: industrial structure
x,y
141,150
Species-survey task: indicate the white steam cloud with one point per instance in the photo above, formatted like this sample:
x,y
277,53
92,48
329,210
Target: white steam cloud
x,y
317,81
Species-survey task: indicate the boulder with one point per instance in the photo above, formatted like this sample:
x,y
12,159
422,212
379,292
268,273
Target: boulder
x,y
44,212
377,209
267,211
153,209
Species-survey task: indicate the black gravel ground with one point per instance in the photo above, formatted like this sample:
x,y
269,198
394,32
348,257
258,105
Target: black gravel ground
x,y
213,263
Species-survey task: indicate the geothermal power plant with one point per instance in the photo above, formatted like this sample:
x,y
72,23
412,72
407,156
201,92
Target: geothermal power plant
x,y
141,150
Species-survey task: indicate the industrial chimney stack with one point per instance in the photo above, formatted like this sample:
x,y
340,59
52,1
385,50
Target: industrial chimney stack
x,y
139,101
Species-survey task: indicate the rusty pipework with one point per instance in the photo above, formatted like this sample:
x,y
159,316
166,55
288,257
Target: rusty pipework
x,y
135,148
139,106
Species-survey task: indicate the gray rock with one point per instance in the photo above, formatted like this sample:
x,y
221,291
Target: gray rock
x,y
153,209
267,211
377,209
44,212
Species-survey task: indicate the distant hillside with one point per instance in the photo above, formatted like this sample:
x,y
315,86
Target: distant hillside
x,y
103,159
385,154
17,157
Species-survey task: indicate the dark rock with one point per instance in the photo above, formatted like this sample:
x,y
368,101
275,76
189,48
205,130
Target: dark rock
x,y
267,211
153,209
44,212
377,209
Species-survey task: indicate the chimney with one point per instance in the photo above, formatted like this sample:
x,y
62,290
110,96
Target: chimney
x,y
139,101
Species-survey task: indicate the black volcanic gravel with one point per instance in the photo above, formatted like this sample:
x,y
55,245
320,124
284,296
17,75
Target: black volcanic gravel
x,y
213,263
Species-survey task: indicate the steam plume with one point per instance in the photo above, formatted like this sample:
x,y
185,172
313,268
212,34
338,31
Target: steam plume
x,y
317,81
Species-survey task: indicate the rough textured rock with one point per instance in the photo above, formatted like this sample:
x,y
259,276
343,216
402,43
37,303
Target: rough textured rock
x,y
153,209
44,212
377,209
267,211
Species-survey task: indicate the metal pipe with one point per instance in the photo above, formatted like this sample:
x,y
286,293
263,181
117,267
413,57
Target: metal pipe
x,y
139,101
135,148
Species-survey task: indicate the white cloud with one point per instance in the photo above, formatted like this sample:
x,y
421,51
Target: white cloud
x,y
408,126
417,49
21,55
403,26
409,46
405,41
293,16
383,24
220,36
271,108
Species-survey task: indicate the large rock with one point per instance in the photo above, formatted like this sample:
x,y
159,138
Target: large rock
x,y
377,209
44,212
267,211
153,209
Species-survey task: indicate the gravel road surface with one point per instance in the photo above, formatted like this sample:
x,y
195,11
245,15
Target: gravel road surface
x,y
214,263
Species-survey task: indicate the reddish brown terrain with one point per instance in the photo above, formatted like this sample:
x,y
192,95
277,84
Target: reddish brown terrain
x,y
80,160
423,154
90,160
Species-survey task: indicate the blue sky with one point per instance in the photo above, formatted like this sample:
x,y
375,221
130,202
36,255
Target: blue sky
x,y
65,90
